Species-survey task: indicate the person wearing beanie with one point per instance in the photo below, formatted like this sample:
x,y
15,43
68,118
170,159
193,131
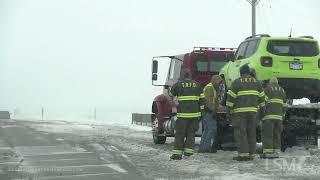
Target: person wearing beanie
x,y
244,99
272,121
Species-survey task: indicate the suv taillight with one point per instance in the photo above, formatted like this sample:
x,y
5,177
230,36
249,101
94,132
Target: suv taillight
x,y
266,61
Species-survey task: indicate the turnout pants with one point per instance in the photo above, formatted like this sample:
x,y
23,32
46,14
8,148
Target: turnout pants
x,y
271,136
244,125
184,138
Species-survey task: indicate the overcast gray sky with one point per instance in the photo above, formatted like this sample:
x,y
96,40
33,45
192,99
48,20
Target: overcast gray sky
x,y
70,56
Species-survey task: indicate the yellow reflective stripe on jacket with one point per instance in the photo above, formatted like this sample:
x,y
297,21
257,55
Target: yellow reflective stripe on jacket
x,y
232,94
229,104
262,94
285,104
245,109
275,100
188,98
188,150
269,117
188,115
202,95
249,92
178,152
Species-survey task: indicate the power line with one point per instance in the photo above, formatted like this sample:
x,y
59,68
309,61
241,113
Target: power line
x,y
258,2
253,2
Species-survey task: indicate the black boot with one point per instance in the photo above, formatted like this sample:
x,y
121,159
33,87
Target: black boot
x,y
240,158
269,156
187,154
176,157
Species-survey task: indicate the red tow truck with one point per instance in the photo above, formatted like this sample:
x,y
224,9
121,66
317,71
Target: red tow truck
x,y
203,62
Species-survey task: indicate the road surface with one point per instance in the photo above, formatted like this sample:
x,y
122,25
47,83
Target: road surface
x,y
61,150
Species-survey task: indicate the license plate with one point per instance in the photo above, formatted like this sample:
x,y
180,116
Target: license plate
x,y
295,65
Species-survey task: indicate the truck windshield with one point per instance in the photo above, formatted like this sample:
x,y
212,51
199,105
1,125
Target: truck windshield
x,y
293,48
217,63
214,64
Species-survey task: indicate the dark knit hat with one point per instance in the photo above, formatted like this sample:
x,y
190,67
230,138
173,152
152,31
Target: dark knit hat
x,y
244,69
186,74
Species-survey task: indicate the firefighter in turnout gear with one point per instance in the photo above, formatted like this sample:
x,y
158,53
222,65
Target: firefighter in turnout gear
x,y
189,95
272,121
244,99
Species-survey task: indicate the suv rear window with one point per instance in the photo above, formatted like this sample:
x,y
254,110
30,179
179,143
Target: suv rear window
x,y
293,48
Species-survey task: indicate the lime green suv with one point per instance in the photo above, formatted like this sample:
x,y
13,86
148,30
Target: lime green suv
x,y
295,61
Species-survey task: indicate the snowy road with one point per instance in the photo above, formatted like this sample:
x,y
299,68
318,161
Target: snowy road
x,y
69,150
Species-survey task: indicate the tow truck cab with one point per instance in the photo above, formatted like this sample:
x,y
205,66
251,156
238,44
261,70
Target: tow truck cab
x,y
203,62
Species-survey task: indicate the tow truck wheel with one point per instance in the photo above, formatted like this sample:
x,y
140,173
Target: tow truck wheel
x,y
155,132
158,139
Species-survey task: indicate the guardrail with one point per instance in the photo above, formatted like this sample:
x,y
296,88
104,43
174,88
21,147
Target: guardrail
x,y
141,119
4,115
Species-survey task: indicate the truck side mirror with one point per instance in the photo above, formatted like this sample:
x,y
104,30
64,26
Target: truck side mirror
x,y
154,77
154,67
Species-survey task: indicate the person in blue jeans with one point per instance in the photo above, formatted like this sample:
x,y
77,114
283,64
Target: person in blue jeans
x,y
209,119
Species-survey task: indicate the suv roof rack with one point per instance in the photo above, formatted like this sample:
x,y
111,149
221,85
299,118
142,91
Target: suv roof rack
x,y
258,35
213,49
309,37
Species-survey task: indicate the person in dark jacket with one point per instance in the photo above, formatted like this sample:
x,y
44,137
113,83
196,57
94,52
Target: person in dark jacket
x,y
189,95
244,99
272,121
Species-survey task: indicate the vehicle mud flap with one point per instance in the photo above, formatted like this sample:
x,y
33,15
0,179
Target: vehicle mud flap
x,y
288,139
225,134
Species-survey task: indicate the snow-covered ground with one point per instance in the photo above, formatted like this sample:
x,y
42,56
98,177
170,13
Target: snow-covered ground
x,y
135,143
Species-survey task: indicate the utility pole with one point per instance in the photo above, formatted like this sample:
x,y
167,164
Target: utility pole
x,y
253,3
